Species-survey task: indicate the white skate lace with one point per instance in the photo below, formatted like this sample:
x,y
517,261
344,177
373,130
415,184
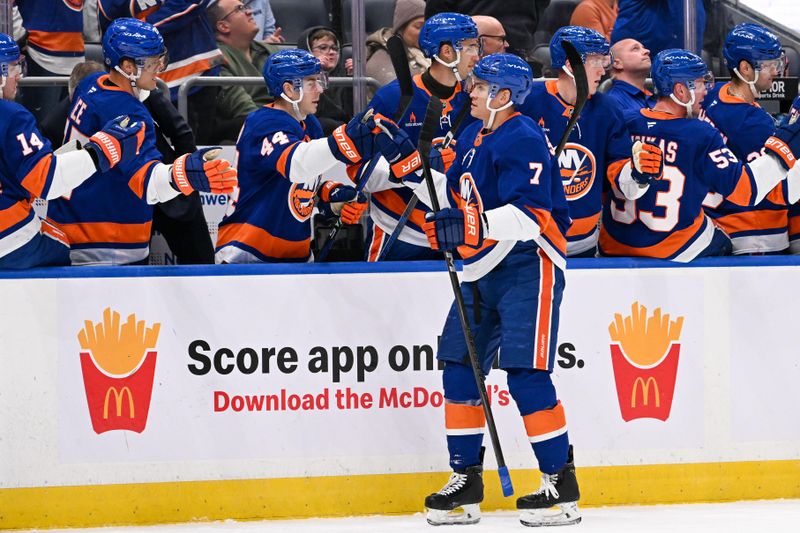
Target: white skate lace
x,y
455,483
548,487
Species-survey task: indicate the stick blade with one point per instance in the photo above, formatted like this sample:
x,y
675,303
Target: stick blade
x,y
579,71
505,481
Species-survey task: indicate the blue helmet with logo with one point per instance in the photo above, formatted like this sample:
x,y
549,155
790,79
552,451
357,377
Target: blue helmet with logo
x,y
289,65
585,40
505,71
9,52
750,42
677,66
449,28
133,39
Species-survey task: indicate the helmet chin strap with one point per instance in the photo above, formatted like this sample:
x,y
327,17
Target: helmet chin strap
x,y
452,66
133,79
295,106
568,72
493,111
751,84
688,105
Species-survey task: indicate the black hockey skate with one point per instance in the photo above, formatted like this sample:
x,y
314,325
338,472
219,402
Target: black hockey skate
x,y
556,501
464,490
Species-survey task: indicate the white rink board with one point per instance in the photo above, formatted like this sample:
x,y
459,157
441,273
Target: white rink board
x,y
734,395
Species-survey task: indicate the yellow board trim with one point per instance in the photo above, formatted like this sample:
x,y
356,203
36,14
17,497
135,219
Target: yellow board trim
x,y
158,503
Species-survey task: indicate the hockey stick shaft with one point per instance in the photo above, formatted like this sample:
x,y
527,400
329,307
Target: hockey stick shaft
x,y
582,92
412,203
432,114
397,53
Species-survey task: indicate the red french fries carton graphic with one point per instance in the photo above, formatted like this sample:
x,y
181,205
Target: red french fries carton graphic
x,y
118,362
644,355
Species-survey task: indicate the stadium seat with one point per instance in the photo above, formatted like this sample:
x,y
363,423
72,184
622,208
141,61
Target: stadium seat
x,y
555,16
793,61
296,16
541,58
377,14
94,52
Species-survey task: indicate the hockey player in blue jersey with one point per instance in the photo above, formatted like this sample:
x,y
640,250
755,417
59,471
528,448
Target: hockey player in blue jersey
x,y
282,160
754,58
451,41
29,169
506,214
108,218
599,144
657,212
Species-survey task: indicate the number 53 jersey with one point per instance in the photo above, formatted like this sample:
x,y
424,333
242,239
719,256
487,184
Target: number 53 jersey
x,y
668,221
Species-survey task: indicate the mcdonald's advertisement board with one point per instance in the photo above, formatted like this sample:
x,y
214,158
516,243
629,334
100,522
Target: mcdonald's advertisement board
x,y
138,380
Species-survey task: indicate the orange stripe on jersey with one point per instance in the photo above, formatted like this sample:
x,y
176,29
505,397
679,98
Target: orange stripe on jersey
x,y
395,203
377,243
544,425
57,41
615,168
549,228
136,183
284,158
14,214
666,248
52,230
263,241
794,225
461,416
547,278
777,196
448,105
652,113
754,220
97,232
743,193
187,70
582,226
36,179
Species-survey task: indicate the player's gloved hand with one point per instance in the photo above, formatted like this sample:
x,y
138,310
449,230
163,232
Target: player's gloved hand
x,y
442,158
786,142
394,144
200,171
344,201
354,141
647,163
118,141
450,228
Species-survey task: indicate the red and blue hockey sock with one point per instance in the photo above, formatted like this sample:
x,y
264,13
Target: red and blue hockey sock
x,y
543,415
464,418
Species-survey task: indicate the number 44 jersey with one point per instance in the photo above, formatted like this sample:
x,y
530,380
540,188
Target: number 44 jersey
x,y
667,220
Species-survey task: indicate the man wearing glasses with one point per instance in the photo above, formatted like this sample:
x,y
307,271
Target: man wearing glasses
x,y
491,34
598,145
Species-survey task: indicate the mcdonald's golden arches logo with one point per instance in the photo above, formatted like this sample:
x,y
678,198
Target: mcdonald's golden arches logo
x,y
644,355
118,362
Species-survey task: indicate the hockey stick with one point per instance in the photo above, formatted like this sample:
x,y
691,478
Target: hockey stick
x,y
429,125
412,204
582,94
399,57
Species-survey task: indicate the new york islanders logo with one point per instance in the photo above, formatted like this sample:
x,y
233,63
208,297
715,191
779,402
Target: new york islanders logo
x,y
468,192
301,201
118,363
644,355
74,5
578,169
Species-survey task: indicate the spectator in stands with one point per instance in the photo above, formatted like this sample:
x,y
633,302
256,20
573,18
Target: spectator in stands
x,y
491,34
658,25
335,103
236,30
519,17
630,67
192,50
54,46
265,20
598,15
407,22
54,122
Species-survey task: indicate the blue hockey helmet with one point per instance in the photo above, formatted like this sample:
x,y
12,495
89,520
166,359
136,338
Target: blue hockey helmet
x,y
753,43
289,65
9,53
678,66
585,40
133,39
449,28
505,71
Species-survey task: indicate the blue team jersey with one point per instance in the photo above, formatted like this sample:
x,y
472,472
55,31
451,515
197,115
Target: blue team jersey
x,y
487,175
54,33
26,172
599,145
387,206
745,127
668,221
107,218
269,218
657,24
629,99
